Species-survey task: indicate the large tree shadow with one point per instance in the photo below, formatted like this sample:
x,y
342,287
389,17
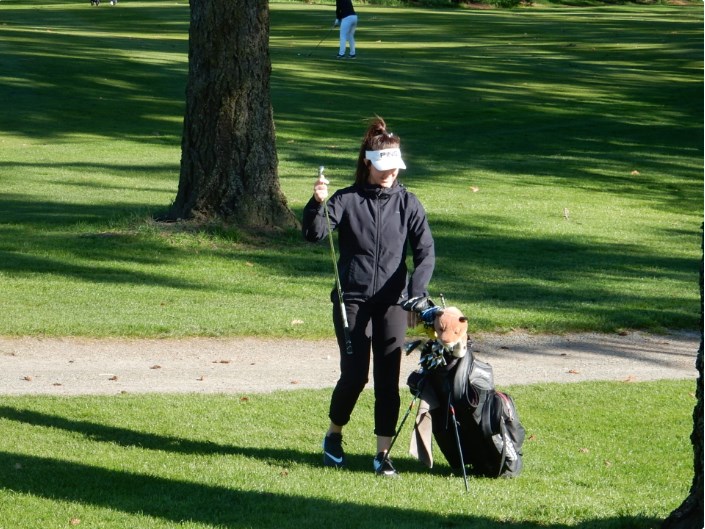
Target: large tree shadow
x,y
178,501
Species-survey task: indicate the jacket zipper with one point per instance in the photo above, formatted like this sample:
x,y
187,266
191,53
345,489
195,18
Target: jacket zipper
x,y
377,237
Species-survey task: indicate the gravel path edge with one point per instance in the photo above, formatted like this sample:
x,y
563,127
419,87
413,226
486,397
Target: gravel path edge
x,y
86,366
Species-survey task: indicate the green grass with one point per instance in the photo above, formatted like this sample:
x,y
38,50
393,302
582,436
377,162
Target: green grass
x,y
609,455
594,110
507,118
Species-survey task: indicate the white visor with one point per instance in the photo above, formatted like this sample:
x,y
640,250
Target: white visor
x,y
386,159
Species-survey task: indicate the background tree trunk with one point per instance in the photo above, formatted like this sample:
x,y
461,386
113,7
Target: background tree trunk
x,y
690,514
228,152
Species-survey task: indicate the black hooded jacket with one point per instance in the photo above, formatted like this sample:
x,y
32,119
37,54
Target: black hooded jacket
x,y
374,225
343,8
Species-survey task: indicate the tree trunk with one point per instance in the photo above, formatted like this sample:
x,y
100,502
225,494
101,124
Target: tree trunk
x,y
690,514
228,152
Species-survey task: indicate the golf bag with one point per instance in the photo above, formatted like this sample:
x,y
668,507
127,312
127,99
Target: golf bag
x,y
489,431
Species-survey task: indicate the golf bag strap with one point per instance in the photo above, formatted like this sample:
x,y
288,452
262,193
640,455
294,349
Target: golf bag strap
x,y
462,376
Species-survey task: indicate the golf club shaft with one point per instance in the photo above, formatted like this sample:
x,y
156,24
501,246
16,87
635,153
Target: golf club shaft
x,y
343,311
319,43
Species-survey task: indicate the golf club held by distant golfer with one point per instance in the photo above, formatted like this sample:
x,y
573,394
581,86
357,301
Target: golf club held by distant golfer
x,y
319,42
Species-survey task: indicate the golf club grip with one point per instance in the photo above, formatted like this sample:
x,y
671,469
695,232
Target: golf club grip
x,y
348,343
346,329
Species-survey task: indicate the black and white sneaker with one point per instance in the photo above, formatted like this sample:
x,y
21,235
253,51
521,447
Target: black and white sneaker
x,y
383,466
340,56
333,455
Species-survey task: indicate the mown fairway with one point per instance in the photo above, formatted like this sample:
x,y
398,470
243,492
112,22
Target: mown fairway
x,y
558,153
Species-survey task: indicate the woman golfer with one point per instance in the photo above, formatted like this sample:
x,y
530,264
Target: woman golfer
x,y
347,19
377,221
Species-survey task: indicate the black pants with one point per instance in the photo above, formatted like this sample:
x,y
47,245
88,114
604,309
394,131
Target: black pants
x,y
383,327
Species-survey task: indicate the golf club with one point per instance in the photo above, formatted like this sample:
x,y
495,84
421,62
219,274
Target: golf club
x,y
343,312
319,43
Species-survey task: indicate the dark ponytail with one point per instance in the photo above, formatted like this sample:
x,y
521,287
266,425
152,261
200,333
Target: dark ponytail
x,y
376,138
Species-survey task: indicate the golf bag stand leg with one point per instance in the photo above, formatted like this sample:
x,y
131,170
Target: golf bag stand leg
x,y
401,425
451,409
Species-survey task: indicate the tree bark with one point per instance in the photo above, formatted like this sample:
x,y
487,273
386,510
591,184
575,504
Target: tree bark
x,y
228,151
690,513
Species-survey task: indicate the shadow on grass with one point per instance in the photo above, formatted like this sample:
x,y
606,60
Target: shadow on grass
x,y
131,438
74,241
528,272
126,437
474,92
140,489
180,501
603,104
538,94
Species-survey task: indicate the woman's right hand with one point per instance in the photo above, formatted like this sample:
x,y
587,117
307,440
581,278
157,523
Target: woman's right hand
x,y
320,189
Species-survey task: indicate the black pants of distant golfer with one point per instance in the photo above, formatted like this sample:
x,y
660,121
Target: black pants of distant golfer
x,y
382,327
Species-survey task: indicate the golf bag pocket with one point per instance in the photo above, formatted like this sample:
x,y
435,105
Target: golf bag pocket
x,y
503,436
481,376
480,381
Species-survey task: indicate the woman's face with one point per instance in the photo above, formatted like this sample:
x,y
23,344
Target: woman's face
x,y
382,178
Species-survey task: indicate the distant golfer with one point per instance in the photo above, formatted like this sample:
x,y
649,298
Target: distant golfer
x,y
377,221
347,19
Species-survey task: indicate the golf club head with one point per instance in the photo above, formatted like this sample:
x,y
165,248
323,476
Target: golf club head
x,y
410,346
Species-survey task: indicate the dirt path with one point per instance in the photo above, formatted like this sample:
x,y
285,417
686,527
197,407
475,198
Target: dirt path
x,y
76,366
